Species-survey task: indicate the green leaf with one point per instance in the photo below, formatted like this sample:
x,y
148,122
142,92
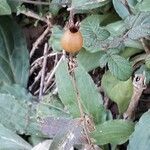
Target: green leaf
x,y
88,4
55,38
92,33
10,140
87,91
118,91
138,25
129,51
51,106
66,89
14,57
143,5
116,28
119,67
113,131
104,60
121,9
147,61
15,90
90,97
13,113
133,43
89,60
14,4
4,8
140,139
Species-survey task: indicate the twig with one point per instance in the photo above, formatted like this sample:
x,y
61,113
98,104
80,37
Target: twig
x,y
83,116
147,50
32,14
52,73
34,68
138,59
139,85
37,78
37,61
39,40
43,71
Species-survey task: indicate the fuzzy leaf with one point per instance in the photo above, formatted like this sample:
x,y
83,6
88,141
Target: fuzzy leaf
x,y
4,8
55,38
90,97
139,25
10,140
113,131
87,91
103,60
88,4
143,5
119,67
140,139
89,60
13,113
121,9
14,57
14,4
118,91
66,89
92,33
116,28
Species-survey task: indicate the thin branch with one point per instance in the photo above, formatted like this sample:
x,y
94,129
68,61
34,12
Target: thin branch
x,y
37,78
83,116
139,85
37,61
32,14
52,74
39,40
33,68
43,71
147,50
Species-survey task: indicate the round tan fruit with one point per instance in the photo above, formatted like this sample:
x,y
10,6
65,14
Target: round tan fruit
x,y
72,41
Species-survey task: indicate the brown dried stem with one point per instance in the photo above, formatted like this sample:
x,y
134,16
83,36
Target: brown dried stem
x,y
32,14
83,116
39,40
139,86
147,50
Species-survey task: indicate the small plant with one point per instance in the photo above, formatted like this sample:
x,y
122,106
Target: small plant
x,y
74,74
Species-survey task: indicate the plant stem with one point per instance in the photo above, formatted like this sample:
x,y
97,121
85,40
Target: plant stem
x,y
138,87
43,71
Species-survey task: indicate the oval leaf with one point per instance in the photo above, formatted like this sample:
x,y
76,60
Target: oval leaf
x,y
88,4
140,139
118,91
113,131
4,8
89,60
121,9
119,67
10,140
90,97
92,33
14,57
